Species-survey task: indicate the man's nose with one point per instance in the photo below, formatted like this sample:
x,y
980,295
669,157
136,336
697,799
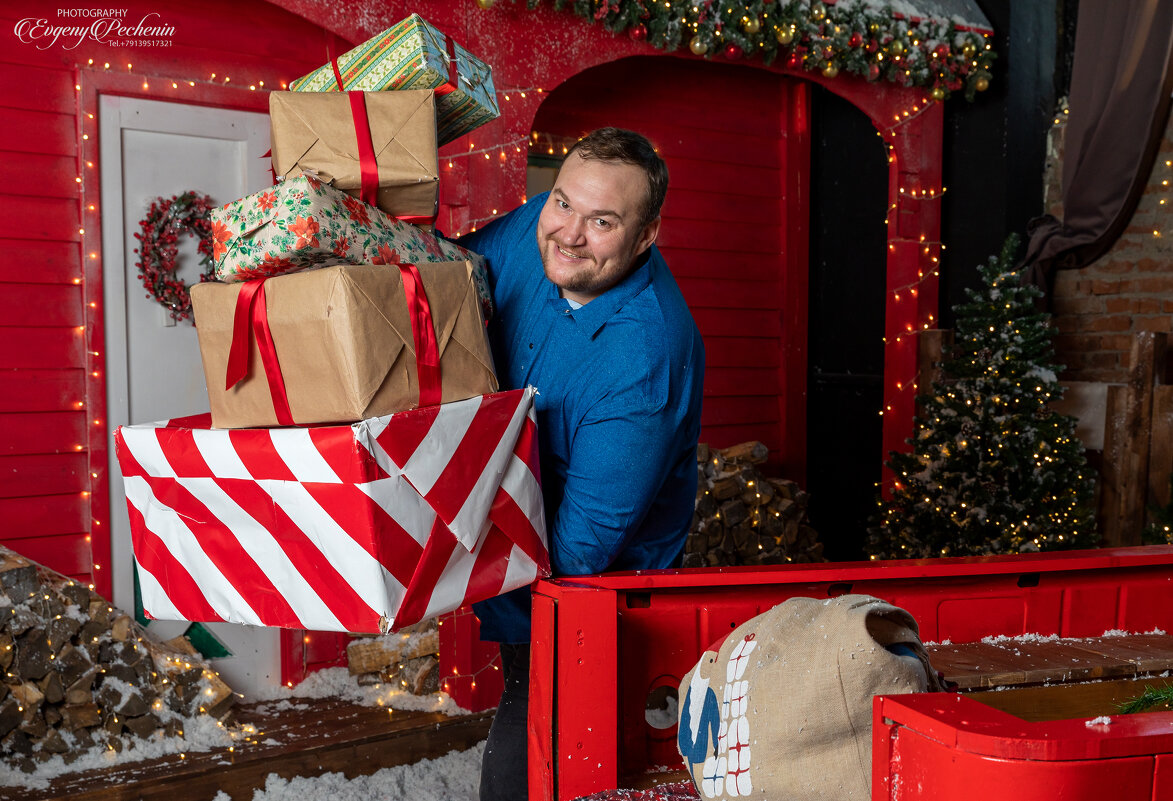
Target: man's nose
x,y
573,231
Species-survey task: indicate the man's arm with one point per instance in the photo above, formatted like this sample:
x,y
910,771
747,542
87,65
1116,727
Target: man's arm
x,y
618,462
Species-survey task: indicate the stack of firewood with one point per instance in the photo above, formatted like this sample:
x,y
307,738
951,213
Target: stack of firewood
x,y
79,674
745,518
408,659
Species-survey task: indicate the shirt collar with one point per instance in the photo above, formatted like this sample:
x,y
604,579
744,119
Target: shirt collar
x,y
594,315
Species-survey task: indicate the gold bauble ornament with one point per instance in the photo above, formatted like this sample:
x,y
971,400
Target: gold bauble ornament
x,y
896,47
785,35
873,27
751,25
486,4
818,11
830,70
981,84
938,93
698,47
968,50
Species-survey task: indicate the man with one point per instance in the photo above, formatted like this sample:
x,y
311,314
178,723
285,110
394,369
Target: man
x,y
588,313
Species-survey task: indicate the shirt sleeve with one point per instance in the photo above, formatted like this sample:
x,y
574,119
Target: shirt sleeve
x,y
617,465
503,235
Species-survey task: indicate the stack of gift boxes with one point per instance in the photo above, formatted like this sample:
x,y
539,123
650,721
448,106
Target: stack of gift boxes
x,y
359,470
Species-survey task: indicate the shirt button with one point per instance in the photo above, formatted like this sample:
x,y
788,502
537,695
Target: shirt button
x,y
531,346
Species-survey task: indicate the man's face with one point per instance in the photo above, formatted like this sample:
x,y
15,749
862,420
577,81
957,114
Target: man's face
x,y
589,232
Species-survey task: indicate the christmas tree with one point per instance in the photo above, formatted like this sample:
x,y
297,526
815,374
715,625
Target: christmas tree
x,y
993,469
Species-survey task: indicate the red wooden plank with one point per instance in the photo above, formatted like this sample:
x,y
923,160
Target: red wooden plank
x,y
43,432
41,347
41,304
39,218
24,390
707,176
37,88
65,553
39,261
765,240
722,436
22,476
719,206
731,292
38,132
740,381
755,322
705,262
723,411
743,351
46,515
37,174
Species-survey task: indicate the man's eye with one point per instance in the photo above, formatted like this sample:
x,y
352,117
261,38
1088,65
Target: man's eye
x,y
601,223
562,204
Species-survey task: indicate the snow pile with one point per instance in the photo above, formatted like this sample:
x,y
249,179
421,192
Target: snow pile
x,y
1102,720
453,777
338,683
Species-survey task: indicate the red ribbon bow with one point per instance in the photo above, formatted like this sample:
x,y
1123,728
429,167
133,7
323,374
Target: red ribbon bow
x,y
251,317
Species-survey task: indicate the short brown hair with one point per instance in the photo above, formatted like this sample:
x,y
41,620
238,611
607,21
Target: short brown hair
x,y
629,147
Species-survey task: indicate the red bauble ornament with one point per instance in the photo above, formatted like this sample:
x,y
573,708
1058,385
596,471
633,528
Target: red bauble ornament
x,y
873,72
638,33
855,41
732,51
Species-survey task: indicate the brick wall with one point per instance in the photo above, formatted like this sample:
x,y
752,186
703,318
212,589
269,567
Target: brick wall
x,y
1097,309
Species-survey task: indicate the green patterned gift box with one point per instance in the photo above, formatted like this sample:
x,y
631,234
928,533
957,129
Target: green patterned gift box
x,y
302,223
414,55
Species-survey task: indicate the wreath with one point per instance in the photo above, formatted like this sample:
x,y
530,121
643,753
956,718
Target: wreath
x,y
159,232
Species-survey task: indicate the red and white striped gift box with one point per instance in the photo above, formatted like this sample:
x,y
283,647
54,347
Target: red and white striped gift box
x,y
360,528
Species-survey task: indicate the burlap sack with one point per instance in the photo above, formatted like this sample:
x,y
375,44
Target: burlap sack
x,y
783,710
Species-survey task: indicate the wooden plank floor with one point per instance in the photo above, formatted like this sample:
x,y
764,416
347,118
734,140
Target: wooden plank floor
x,y
315,736
1001,663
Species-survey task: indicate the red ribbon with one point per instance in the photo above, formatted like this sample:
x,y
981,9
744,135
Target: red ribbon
x,y
252,316
367,165
453,76
427,351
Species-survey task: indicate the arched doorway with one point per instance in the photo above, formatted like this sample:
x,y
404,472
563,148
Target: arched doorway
x,y
774,228
734,231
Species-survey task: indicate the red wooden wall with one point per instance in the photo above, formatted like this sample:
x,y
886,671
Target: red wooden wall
x,y
54,503
53,431
734,230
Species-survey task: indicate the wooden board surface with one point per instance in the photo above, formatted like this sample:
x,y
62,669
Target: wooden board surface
x,y
996,663
1068,701
305,737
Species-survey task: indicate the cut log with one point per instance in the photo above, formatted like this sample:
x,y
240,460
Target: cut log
x,y
751,452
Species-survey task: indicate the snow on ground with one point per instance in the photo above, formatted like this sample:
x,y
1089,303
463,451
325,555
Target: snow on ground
x,y
452,777
447,777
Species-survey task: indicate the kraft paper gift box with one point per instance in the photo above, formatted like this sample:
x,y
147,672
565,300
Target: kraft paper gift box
x,y
362,528
318,134
341,344
303,223
414,55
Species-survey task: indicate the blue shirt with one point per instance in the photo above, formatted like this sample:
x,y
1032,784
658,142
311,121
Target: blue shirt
x,y
618,408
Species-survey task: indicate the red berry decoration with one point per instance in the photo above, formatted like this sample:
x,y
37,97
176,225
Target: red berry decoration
x,y
188,213
638,32
732,51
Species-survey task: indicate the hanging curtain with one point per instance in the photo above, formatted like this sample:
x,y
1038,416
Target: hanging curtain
x,y
1120,96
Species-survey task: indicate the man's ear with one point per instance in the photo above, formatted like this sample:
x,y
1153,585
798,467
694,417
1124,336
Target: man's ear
x,y
647,236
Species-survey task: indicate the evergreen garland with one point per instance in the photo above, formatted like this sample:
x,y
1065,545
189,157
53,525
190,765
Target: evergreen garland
x,y
992,469
1153,699
859,37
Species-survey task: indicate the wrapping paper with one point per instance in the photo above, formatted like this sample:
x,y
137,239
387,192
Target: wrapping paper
x,y
363,528
414,55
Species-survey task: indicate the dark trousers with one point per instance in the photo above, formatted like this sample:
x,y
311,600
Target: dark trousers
x,y
504,775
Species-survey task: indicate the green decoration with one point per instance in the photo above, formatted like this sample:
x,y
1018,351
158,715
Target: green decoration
x,y
1154,699
204,641
873,43
1160,531
992,468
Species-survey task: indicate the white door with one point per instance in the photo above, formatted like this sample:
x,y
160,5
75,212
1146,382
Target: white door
x,y
152,149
